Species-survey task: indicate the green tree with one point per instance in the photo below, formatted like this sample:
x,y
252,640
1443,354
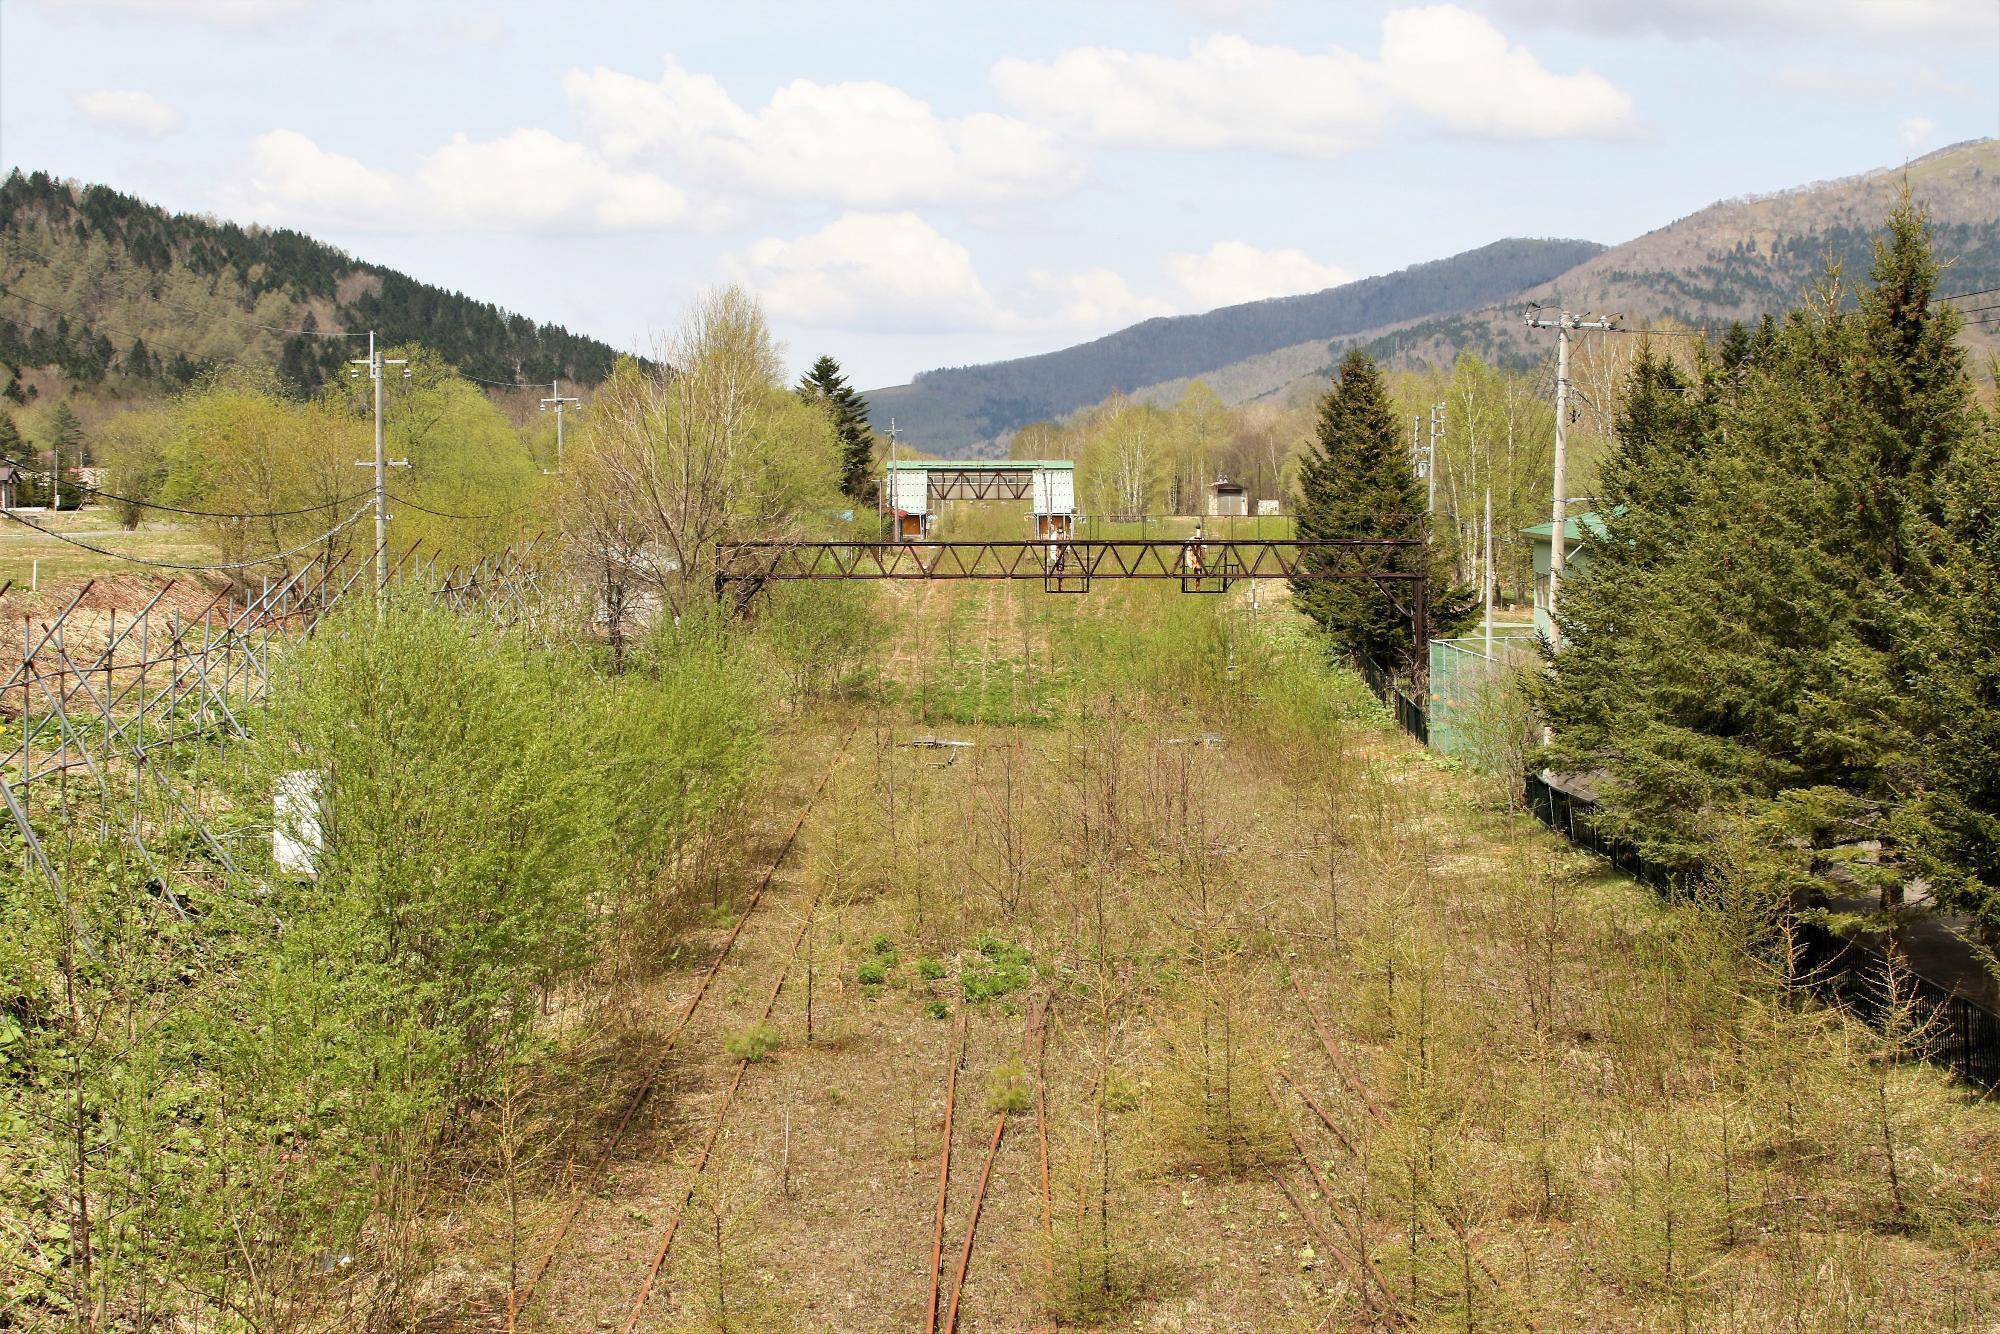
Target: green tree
x,y
1357,481
1740,646
825,387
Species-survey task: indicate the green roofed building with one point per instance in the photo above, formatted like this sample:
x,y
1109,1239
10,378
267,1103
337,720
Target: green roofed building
x,y
1573,559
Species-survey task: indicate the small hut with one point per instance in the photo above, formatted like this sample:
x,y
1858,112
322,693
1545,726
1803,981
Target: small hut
x,y
10,484
1227,497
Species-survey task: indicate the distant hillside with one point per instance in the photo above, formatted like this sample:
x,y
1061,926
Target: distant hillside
x,y
97,286
964,409
1735,260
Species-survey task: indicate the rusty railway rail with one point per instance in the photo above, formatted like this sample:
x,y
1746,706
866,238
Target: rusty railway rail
x,y
518,1301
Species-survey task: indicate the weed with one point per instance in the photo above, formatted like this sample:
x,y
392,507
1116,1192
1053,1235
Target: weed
x,y
930,969
937,1009
752,1044
1009,1090
1001,968
872,972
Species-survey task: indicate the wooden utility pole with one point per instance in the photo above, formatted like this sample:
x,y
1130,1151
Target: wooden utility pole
x,y
1558,539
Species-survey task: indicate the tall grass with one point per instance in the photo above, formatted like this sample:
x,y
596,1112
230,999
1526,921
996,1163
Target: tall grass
x,y
255,1108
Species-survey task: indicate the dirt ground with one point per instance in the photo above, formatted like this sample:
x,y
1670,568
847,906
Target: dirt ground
x,y
1267,1099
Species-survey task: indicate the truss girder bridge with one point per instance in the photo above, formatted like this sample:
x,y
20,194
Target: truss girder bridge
x,y
1205,566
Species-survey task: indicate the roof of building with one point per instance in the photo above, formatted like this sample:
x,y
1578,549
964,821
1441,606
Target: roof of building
x,y
1224,484
1573,529
981,465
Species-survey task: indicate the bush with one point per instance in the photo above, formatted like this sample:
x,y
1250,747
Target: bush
x,y
752,1044
1009,1090
1001,968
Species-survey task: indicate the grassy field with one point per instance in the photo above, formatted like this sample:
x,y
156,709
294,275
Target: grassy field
x,y
1246,1014
30,557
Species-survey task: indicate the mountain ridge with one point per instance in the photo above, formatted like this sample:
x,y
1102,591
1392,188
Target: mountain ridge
x,y
1736,258
958,409
82,263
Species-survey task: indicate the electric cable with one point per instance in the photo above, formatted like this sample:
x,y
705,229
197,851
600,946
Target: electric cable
x,y
344,524
447,514
335,503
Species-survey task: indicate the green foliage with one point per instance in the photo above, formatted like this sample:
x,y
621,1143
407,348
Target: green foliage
x,y
1009,1090
872,972
1783,636
930,969
1358,481
827,389
753,1043
193,289
820,634
999,969
296,1065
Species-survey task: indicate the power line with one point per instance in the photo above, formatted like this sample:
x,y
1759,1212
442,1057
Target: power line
x,y
199,514
447,514
1960,296
338,528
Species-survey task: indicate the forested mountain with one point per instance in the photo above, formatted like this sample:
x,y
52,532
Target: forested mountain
x,y
958,410
100,288
1734,260
1737,259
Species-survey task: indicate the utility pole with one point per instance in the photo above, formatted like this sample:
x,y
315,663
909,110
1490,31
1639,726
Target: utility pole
x,y
886,502
381,464
1431,458
556,400
1558,537
1486,589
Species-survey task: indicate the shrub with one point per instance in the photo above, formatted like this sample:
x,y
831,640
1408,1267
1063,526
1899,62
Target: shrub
x,y
1001,968
1009,1090
752,1044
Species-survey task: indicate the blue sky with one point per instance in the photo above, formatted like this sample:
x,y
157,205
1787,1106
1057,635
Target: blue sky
x,y
912,185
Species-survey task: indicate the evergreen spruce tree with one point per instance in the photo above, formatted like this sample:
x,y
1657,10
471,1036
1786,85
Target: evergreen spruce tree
x,y
1357,480
1737,651
826,386
1952,656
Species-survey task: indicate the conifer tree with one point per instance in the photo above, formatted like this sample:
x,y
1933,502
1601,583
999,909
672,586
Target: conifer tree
x,y
1738,646
826,386
1357,480
1952,656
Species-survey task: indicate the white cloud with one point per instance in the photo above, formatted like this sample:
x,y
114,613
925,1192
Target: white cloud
x,y
894,273
220,13
1232,272
129,110
1460,71
854,145
1093,300
871,272
1689,19
529,180
1445,64
1227,92
1917,132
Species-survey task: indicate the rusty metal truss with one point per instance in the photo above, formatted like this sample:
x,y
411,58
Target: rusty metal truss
x,y
1205,566
1208,562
